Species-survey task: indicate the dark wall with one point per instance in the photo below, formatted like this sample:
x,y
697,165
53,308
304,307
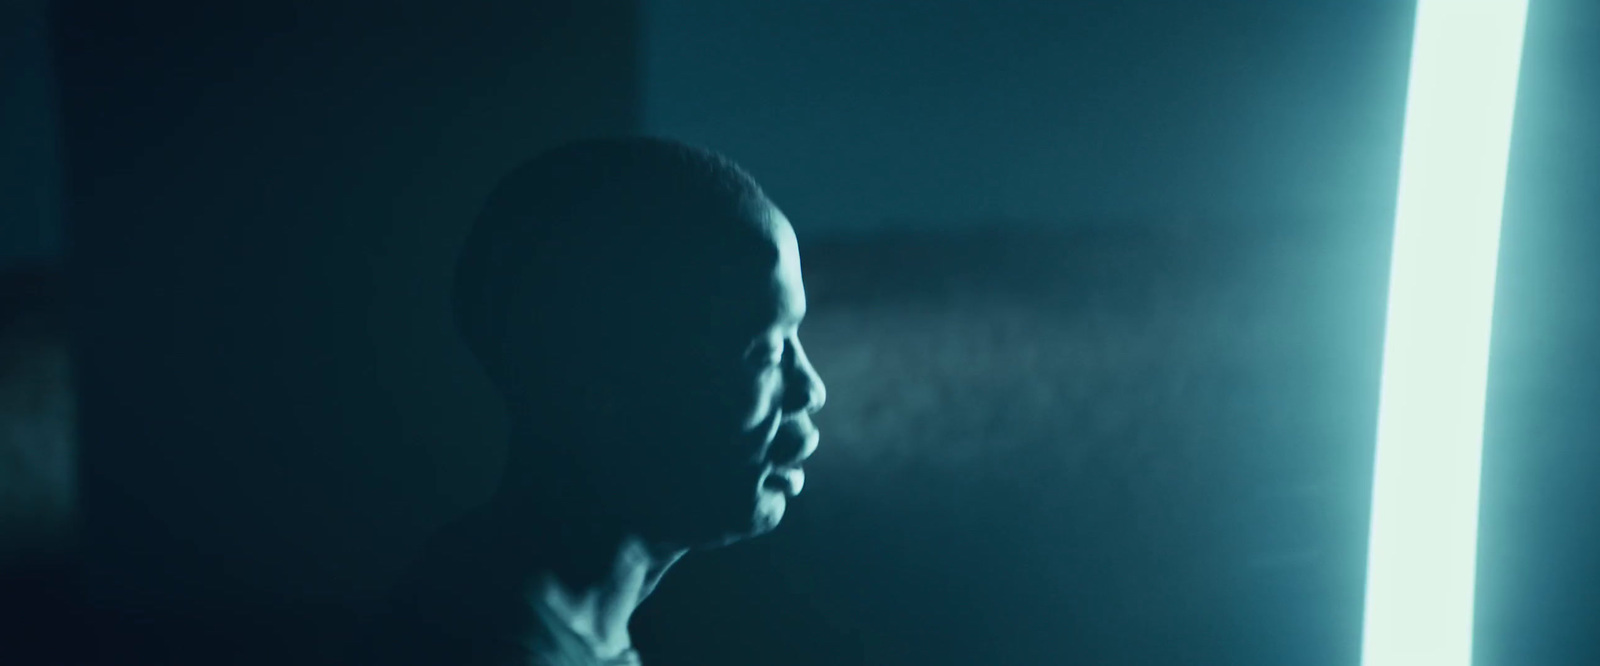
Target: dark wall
x,y
859,114
35,440
37,448
29,164
265,200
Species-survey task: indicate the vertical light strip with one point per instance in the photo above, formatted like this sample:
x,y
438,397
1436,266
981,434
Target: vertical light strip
x,y
1423,543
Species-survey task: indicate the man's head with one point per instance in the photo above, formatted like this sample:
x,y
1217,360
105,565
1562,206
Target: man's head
x,y
637,303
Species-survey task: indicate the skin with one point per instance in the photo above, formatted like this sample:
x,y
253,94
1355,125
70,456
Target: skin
x,y
702,445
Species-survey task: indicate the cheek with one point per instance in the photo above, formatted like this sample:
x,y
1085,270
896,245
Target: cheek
x,y
711,406
757,399
716,390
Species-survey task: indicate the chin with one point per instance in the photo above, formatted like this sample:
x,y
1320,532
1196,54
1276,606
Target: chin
x,y
763,517
769,512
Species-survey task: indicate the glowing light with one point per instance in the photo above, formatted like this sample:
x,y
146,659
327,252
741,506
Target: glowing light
x,y
1423,549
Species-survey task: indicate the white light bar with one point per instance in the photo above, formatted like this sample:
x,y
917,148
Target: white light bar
x,y
1423,548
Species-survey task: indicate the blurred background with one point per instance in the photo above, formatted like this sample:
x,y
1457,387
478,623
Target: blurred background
x,y
1097,288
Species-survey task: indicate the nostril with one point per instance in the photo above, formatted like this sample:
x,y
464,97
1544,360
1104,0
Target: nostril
x,y
808,400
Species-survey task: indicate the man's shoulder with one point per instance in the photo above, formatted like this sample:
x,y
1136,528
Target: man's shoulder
x,y
457,604
410,643
429,621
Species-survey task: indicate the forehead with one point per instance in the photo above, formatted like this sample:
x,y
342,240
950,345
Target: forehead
x,y
787,286
776,277
754,284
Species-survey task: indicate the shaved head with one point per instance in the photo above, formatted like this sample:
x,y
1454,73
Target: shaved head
x,y
565,239
637,302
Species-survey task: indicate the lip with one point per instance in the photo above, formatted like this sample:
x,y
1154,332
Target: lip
x,y
790,479
799,444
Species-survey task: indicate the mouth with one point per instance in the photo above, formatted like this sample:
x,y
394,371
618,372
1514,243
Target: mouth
x,y
793,443
787,479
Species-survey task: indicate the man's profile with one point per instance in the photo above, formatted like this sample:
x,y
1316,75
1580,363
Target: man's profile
x,y
636,302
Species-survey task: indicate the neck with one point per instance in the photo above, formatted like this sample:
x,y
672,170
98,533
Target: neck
x,y
590,573
599,610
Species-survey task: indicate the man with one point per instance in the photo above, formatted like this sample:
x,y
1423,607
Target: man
x,y
636,302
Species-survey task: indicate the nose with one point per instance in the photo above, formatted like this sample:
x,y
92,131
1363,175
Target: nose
x,y
804,391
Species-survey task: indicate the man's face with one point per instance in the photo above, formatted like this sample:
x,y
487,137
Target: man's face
x,y
712,444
